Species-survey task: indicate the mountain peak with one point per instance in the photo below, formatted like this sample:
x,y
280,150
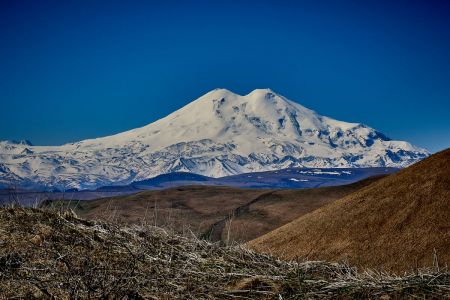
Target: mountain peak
x,y
255,93
19,142
260,92
221,133
219,92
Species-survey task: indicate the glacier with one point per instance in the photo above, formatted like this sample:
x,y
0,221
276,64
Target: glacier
x,y
219,134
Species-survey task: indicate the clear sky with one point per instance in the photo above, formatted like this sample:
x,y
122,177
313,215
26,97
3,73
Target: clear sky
x,y
71,70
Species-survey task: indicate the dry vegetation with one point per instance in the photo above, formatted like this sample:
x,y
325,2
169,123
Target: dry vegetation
x,y
209,210
274,209
398,223
53,255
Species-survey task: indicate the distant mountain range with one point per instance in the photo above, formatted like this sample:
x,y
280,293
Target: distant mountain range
x,y
293,178
219,134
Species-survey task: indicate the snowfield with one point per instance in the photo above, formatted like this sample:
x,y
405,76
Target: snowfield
x,y
219,134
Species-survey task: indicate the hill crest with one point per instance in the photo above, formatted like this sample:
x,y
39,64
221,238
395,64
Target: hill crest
x,y
397,223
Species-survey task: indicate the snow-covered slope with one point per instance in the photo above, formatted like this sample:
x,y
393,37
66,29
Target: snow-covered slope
x,y
219,134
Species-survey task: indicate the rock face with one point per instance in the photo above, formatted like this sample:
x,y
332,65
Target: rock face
x,y
219,134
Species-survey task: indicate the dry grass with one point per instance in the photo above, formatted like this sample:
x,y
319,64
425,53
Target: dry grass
x,y
274,209
205,210
399,223
50,255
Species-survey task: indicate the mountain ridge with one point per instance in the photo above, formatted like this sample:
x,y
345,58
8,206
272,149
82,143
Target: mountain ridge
x,y
219,134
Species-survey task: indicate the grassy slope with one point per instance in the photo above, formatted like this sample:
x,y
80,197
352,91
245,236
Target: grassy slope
x,y
273,210
207,209
396,223
49,255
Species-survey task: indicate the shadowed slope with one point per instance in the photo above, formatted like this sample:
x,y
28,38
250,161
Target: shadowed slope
x,y
396,223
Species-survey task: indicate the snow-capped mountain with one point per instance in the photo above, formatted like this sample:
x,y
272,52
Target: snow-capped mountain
x,y
219,134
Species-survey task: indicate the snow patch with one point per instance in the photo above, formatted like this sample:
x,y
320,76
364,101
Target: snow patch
x,y
219,134
298,180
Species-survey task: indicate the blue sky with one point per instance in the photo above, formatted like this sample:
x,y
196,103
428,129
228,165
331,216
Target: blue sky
x,y
83,69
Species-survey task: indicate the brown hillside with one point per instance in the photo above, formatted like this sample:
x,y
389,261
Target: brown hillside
x,y
208,210
396,224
